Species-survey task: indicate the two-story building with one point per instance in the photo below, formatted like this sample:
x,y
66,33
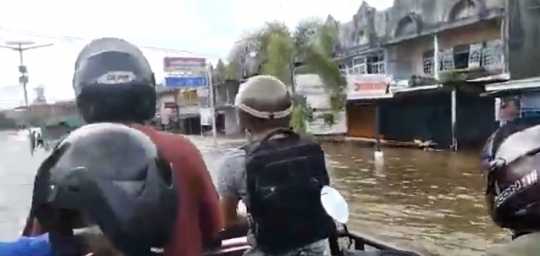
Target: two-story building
x,y
413,43
179,108
520,97
225,93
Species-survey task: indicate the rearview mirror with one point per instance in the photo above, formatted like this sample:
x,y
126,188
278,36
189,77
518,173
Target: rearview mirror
x,y
334,204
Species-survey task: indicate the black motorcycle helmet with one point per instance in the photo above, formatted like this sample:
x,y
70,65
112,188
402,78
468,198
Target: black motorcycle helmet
x,y
112,176
511,160
113,82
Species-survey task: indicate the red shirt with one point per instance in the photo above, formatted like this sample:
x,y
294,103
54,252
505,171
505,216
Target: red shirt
x,y
199,217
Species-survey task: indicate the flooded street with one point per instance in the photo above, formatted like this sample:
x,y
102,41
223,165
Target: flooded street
x,y
431,201
427,200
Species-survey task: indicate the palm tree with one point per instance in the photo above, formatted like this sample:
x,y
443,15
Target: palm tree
x,y
308,49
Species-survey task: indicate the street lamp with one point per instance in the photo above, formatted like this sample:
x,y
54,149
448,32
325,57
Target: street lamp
x,y
21,46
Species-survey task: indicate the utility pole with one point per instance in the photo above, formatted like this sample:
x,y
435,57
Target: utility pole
x,y
21,47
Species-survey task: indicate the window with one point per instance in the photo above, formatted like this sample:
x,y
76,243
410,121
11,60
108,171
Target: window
x,y
475,55
492,54
359,69
487,54
359,61
447,60
189,97
376,63
358,66
461,56
428,62
368,64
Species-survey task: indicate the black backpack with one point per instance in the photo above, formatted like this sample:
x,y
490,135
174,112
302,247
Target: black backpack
x,y
284,178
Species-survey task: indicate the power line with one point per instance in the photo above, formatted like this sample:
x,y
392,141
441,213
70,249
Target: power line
x,y
72,40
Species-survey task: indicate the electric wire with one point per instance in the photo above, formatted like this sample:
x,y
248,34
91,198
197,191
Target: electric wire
x,y
76,40
72,40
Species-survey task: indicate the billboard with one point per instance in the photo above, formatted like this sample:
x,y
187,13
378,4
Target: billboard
x,y
186,81
179,64
368,86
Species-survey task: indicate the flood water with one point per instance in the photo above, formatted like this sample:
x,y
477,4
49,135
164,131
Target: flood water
x,y
429,201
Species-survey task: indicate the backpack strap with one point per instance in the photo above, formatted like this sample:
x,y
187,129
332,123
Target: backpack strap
x,y
248,148
284,131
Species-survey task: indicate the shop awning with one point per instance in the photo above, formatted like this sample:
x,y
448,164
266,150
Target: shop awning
x,y
513,87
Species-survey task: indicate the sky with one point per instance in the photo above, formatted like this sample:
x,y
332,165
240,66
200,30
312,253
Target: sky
x,y
205,28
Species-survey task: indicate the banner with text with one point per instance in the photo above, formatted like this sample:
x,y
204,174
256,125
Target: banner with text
x,y
368,86
183,64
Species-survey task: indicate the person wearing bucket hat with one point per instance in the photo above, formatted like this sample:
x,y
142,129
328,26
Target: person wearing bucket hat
x,y
278,175
510,160
136,185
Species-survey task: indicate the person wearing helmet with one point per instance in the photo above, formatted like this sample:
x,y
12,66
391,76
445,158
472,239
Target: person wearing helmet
x,y
113,82
511,159
278,175
112,177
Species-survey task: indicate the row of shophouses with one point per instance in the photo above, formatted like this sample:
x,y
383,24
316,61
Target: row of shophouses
x,y
445,71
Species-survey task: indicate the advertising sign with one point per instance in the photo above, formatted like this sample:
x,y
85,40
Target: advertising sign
x,y
176,64
186,81
368,86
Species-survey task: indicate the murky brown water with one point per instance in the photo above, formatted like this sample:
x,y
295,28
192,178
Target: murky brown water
x,y
425,200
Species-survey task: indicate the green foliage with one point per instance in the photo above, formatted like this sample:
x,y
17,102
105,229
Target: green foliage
x,y
219,73
281,49
227,71
311,44
298,118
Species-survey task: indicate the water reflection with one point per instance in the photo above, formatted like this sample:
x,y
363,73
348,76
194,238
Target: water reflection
x,y
427,200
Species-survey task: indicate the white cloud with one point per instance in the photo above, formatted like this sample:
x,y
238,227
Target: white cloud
x,y
204,27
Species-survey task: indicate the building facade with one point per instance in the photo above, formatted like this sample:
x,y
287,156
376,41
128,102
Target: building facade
x,y
225,93
519,98
410,43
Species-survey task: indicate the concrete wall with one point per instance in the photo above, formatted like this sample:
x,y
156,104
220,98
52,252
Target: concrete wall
x,y
226,92
231,121
523,31
311,86
406,58
408,17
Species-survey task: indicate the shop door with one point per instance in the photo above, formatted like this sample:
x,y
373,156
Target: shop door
x,y
361,120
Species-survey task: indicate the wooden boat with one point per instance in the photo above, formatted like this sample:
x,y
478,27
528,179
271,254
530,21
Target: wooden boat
x,y
233,242
350,244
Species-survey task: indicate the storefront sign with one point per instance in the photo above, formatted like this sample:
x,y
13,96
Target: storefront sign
x,y
175,64
368,86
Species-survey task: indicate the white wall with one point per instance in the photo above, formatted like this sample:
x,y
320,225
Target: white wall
x,y
231,121
312,87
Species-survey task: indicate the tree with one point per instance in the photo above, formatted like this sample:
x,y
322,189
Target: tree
x,y
224,71
308,49
219,73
